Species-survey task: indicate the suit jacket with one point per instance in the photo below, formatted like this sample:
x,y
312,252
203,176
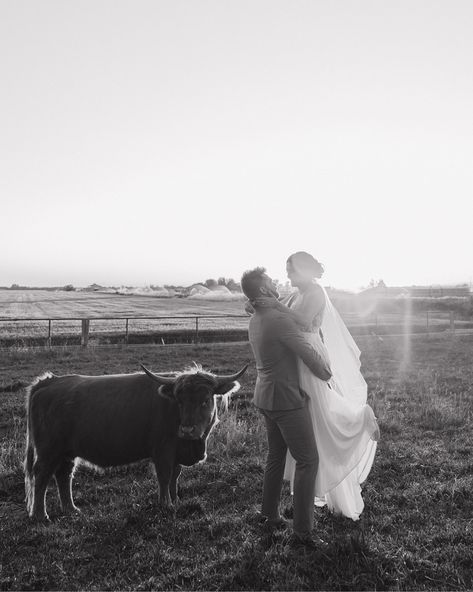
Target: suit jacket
x,y
277,343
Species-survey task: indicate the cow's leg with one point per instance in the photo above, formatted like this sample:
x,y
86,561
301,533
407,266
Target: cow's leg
x,y
42,473
164,470
173,485
63,476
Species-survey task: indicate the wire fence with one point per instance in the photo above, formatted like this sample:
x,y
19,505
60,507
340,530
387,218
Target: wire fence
x,y
130,330
163,330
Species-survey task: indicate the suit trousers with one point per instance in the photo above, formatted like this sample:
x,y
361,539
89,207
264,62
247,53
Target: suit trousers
x,y
291,429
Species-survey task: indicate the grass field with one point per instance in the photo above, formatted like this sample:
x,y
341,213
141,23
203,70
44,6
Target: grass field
x,y
416,532
108,312
61,304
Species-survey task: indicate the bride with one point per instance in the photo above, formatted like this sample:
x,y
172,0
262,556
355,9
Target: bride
x,y
345,427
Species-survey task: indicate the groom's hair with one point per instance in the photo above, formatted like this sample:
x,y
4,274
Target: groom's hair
x,y
252,281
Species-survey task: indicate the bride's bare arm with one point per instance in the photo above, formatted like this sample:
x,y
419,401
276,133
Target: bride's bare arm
x,y
311,305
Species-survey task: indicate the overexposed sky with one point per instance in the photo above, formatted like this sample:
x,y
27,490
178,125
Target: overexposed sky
x,y
171,141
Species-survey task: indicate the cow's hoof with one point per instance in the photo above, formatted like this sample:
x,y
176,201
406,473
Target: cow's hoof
x,y
167,509
43,520
71,511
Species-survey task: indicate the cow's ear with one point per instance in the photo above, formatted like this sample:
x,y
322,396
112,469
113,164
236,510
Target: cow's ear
x,y
228,388
166,391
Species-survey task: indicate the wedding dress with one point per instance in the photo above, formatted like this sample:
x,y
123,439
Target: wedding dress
x,y
345,427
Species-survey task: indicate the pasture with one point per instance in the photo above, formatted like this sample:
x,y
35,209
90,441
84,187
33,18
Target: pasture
x,y
115,318
50,304
54,318
416,531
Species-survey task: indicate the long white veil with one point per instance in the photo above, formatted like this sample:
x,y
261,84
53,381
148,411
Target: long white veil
x,y
344,355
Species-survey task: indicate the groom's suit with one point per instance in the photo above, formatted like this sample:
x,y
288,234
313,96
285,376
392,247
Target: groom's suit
x,y
277,343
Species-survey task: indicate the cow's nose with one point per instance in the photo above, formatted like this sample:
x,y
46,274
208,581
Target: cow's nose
x,y
187,430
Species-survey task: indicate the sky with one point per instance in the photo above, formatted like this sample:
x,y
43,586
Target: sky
x,y
171,141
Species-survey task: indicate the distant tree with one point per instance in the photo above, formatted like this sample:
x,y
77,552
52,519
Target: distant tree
x,y
376,284
233,286
14,287
210,283
222,281
69,288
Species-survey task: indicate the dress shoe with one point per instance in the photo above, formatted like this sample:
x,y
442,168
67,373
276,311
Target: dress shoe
x,y
277,524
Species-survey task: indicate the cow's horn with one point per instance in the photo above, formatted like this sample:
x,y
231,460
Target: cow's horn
x,y
225,379
159,377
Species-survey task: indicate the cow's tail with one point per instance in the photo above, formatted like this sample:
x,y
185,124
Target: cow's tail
x,y
28,465
30,452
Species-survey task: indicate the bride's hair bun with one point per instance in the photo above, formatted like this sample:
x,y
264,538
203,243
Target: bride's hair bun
x,y
306,265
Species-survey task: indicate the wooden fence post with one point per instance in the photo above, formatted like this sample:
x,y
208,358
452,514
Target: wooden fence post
x,y
452,321
85,332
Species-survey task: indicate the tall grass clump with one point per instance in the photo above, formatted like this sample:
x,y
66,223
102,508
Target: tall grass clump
x,y
237,432
12,448
440,408
439,399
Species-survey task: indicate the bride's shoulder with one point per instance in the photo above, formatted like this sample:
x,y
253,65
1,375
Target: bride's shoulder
x,y
316,292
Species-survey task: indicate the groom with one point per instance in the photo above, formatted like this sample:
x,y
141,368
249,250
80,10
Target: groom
x,y
277,343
